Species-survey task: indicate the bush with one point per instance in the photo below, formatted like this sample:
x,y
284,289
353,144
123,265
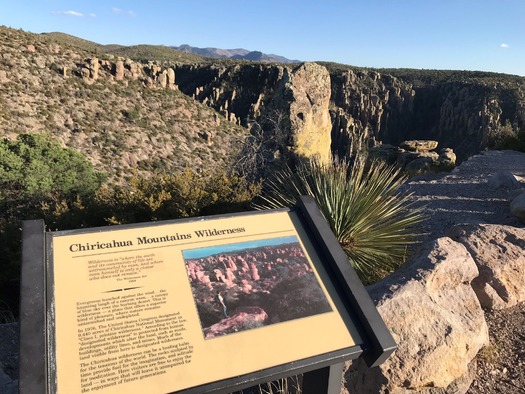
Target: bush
x,y
34,165
363,205
507,136
167,196
39,179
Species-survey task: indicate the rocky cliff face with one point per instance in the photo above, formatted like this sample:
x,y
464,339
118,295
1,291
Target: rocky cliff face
x,y
290,104
365,106
464,114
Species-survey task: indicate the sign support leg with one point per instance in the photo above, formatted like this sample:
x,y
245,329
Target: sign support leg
x,y
33,354
325,380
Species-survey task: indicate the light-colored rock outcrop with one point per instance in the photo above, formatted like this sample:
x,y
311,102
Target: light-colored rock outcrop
x,y
119,70
435,318
416,157
419,145
499,253
310,124
3,76
90,71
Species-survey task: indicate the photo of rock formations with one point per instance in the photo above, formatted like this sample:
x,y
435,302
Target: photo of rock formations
x,y
253,284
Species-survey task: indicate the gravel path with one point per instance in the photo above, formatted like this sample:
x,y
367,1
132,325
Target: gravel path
x,y
463,196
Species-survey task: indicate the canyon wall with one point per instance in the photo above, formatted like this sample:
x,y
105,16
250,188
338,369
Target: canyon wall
x,y
459,110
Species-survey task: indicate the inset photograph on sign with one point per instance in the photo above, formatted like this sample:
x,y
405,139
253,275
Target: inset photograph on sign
x,y
241,286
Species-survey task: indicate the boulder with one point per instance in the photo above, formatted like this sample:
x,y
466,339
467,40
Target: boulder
x,y
90,71
419,166
419,145
503,180
517,207
162,79
404,158
415,161
170,79
499,253
310,123
447,159
434,317
385,152
243,318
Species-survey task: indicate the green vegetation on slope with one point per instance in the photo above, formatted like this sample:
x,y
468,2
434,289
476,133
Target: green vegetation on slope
x,y
33,166
157,52
120,125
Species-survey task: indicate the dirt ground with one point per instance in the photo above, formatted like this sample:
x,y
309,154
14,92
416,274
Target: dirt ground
x,y
501,365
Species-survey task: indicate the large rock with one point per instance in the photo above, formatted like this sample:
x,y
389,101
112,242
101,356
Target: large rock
x,y
415,161
385,152
517,206
119,70
90,70
243,318
503,180
436,320
419,145
447,159
499,253
310,124
420,166
3,76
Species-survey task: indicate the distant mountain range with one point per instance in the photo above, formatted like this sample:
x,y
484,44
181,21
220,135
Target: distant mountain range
x,y
237,54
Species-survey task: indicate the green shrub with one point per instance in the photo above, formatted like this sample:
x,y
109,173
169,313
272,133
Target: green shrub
x,y
507,136
363,205
34,165
39,179
167,196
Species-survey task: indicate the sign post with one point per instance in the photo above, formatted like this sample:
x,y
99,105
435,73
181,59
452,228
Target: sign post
x,y
203,305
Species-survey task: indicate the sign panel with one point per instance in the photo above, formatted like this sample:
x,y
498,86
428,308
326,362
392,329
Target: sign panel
x,y
169,306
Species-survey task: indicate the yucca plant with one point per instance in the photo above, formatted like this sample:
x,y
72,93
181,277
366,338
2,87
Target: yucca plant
x,y
372,219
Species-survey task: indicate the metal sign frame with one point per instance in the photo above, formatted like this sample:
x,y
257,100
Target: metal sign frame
x,y
322,372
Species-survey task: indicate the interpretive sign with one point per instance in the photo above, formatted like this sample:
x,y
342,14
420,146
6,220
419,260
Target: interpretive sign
x,y
196,305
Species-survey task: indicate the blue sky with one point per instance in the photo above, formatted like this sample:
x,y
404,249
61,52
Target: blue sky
x,y
434,34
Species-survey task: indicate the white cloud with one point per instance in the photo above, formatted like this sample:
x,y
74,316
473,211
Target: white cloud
x,y
504,45
73,13
123,12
